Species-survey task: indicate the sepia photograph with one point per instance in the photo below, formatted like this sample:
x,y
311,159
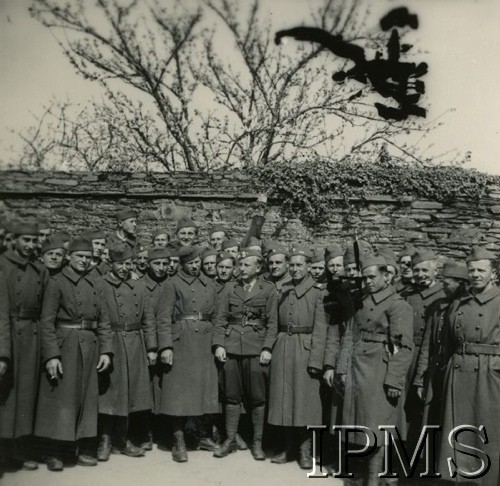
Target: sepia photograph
x,y
250,242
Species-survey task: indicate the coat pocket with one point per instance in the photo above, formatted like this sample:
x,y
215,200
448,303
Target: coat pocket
x,y
177,331
307,341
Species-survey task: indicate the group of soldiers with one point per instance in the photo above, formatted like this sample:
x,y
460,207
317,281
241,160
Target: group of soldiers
x,y
101,335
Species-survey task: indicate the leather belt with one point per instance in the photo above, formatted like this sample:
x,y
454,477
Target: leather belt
x,y
127,326
296,329
374,337
193,317
477,348
26,314
84,324
244,322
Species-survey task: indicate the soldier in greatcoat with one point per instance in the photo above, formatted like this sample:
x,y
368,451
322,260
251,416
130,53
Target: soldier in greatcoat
x,y
26,280
374,360
244,334
318,267
5,337
277,263
98,266
187,348
224,265
53,255
125,388
160,238
405,284
126,230
217,236
186,232
76,345
472,380
297,364
209,262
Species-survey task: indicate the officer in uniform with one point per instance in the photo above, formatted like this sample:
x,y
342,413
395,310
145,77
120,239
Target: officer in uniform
x,y
245,331
297,364
53,255
125,389
472,383
185,346
76,346
26,280
126,231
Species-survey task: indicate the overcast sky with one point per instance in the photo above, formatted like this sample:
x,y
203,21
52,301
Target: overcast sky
x,y
461,37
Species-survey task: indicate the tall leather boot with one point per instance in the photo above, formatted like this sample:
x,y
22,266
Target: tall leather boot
x,y
179,451
206,442
374,467
305,450
287,446
258,428
232,419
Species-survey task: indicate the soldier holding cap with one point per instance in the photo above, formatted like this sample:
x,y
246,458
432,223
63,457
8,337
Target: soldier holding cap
x,y
379,347
126,231
187,350
244,334
297,365
125,389
472,384
432,360
27,280
76,345
53,255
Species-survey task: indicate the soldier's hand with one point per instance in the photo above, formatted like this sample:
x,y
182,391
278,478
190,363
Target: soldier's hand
x,y
392,393
3,367
54,368
220,354
265,357
328,377
167,357
420,392
104,363
152,356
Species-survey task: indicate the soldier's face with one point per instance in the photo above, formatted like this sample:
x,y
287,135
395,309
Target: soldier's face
x,y
142,261
249,268
425,273
374,279
159,267
43,234
79,261
2,237
225,270
8,240
129,226
105,255
25,245
405,267
390,274
317,270
450,286
209,266
122,269
53,259
160,241
480,275
98,246
277,265
173,265
335,267
216,239
186,236
233,250
193,267
298,267
351,270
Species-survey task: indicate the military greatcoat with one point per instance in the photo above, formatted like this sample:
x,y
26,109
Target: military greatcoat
x,y
5,343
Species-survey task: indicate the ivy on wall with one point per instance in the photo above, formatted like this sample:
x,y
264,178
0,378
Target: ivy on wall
x,y
310,189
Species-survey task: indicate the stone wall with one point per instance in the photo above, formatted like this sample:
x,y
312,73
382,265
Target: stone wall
x,y
77,201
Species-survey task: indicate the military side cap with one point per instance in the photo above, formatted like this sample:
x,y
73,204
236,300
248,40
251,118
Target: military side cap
x,y
229,244
276,249
218,228
10,225
455,270
301,250
52,244
423,256
186,223
160,231
188,253
365,249
317,256
141,246
333,251
43,223
63,236
157,253
389,257
95,234
480,253
120,253
407,250
225,255
26,228
208,252
245,253
80,244
373,260
173,249
124,214
252,241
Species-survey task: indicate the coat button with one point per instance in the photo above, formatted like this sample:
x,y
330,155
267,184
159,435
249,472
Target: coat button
x,y
478,327
196,330
79,303
457,366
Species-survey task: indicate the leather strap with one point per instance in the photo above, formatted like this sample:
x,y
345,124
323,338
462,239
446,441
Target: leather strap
x,y
126,326
374,337
84,324
477,348
296,329
193,317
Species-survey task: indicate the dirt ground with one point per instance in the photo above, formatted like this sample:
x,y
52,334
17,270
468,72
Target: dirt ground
x,y
157,467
